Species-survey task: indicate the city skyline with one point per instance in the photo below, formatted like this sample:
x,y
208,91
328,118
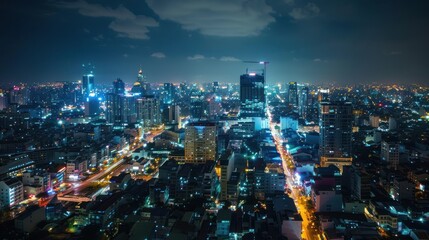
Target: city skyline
x,y
305,41
203,119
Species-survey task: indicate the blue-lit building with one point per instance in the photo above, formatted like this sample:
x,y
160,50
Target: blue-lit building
x,y
92,105
118,86
168,93
252,94
88,80
293,93
113,110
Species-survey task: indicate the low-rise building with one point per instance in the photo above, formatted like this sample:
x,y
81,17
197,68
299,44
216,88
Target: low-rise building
x,y
12,166
35,181
29,219
11,192
327,199
120,181
104,209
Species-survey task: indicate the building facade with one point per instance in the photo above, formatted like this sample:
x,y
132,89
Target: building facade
x,y
200,142
335,133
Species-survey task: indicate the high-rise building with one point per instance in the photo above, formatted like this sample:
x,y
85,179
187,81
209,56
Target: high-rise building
x,y
128,108
392,124
148,111
113,108
87,84
374,121
335,134
140,76
3,100
200,142
313,108
118,86
171,114
19,94
137,88
214,108
143,82
323,95
226,165
198,108
140,86
215,87
252,93
293,93
168,93
390,153
303,102
92,106
88,79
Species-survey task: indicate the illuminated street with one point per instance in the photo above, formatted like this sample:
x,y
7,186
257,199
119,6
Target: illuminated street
x,y
307,231
114,169
245,119
77,187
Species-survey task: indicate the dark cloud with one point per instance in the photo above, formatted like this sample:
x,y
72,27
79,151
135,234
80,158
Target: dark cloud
x,y
289,2
308,11
135,28
125,22
355,40
224,18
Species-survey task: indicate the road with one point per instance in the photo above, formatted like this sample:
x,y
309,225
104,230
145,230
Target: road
x,y
114,169
117,167
153,134
300,201
77,187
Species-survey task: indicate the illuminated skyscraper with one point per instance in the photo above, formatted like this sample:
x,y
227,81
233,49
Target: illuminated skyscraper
x,y
293,93
20,95
92,106
145,87
128,108
120,108
335,134
198,108
140,76
148,111
215,87
171,115
303,102
252,94
390,153
139,86
113,108
118,86
200,142
168,93
88,79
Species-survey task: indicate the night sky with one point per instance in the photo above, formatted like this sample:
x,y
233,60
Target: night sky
x,y
317,41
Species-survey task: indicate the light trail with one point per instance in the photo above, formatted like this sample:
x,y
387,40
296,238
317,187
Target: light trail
x,y
296,195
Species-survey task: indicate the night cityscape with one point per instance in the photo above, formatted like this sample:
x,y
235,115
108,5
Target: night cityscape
x,y
214,119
